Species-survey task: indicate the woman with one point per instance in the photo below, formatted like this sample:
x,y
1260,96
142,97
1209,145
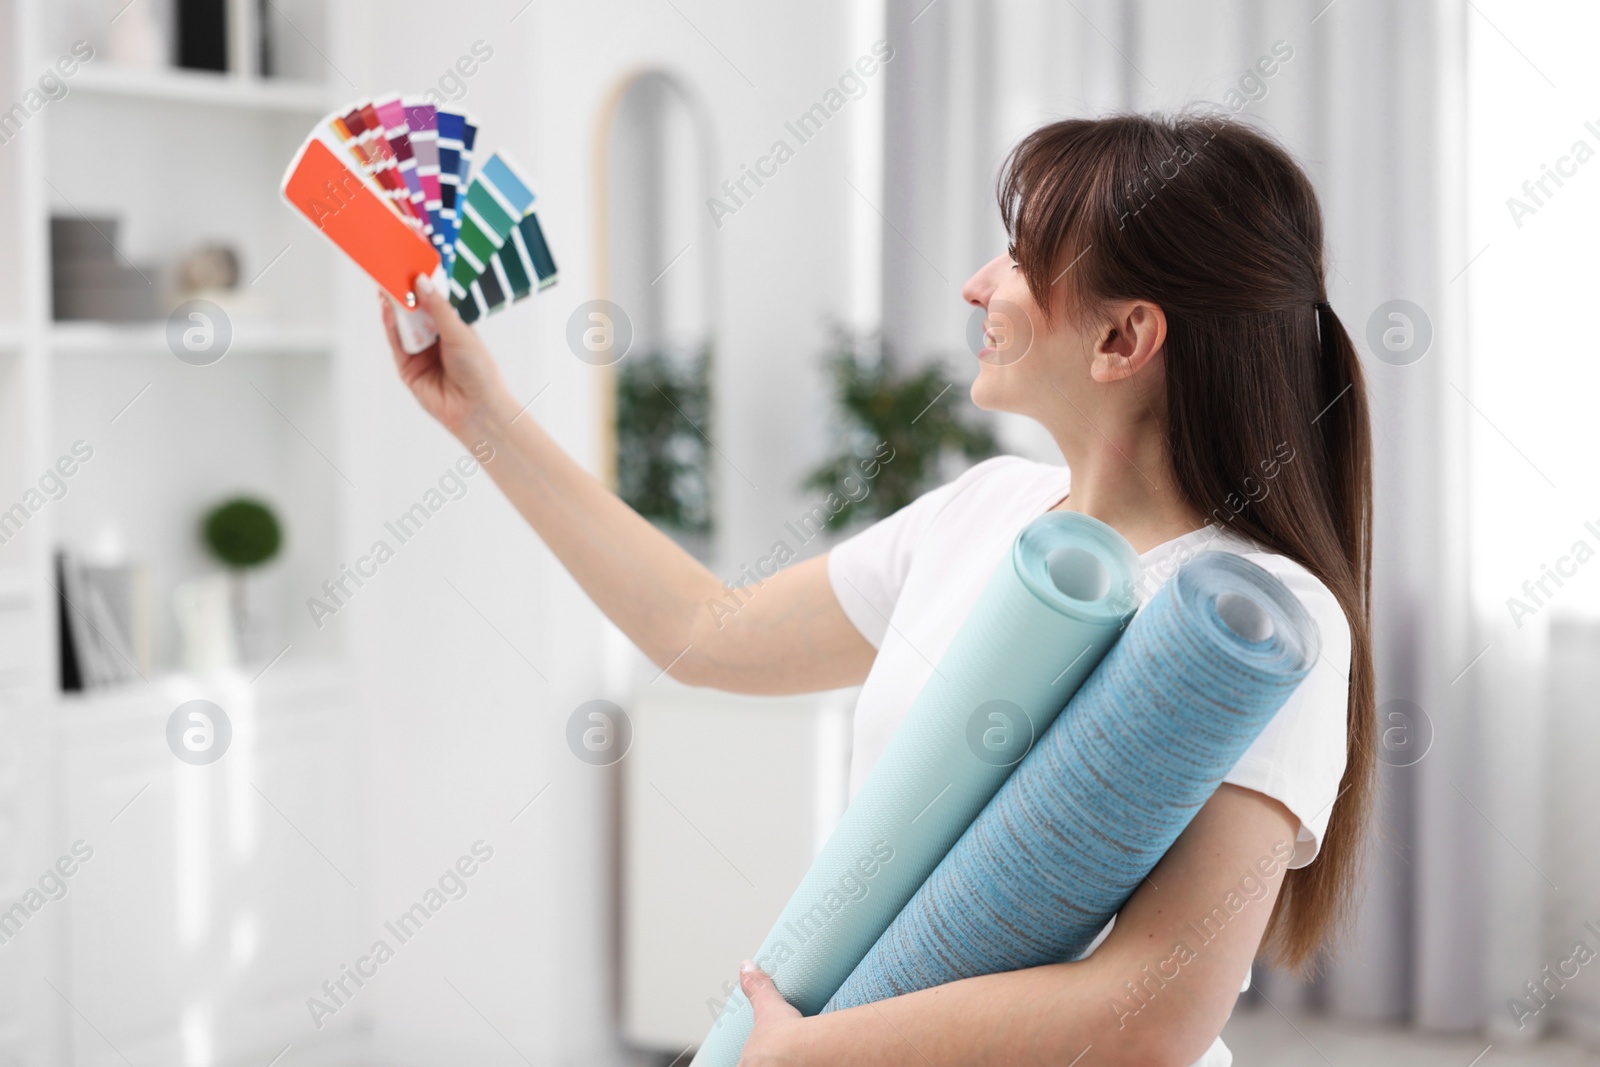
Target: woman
x,y
1161,311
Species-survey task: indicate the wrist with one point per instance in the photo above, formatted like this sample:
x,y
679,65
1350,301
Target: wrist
x,y
488,420
790,1042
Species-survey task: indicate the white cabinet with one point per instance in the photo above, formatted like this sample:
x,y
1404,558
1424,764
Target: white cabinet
x,y
217,897
726,800
202,919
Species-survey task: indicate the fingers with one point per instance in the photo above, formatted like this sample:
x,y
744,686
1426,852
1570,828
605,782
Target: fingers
x,y
386,309
410,365
436,302
765,1000
392,333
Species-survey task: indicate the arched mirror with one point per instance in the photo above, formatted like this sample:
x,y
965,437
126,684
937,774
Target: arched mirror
x,y
657,266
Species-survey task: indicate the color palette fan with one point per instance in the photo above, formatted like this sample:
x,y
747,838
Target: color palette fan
x,y
391,182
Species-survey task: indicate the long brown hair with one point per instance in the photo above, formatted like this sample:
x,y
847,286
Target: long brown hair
x,y
1216,224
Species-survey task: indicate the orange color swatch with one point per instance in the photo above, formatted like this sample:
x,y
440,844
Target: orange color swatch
x,y
352,215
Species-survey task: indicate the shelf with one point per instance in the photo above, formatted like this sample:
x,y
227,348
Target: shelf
x,y
205,88
285,686
111,338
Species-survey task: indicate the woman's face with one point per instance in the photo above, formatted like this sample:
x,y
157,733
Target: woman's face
x,y
1027,365
1068,369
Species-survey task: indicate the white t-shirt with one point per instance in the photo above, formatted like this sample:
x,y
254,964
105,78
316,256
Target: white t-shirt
x,y
908,582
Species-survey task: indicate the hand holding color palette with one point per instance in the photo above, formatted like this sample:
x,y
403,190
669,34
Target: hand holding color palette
x,y
390,183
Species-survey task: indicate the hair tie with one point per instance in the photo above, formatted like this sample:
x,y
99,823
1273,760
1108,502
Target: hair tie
x,y
1324,336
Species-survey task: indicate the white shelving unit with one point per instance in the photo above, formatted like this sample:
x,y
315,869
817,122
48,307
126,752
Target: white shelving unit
x,y
127,966
204,87
100,338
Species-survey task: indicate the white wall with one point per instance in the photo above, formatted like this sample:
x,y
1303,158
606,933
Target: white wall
x,y
461,730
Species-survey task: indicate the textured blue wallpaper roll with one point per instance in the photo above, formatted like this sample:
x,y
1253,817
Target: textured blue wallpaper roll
x,y
1108,788
1043,622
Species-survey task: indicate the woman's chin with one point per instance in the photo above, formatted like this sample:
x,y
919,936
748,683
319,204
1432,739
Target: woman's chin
x,y
988,393
996,387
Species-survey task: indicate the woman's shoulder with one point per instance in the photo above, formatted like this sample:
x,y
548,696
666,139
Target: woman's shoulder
x,y
1161,563
1299,759
1006,466
995,497
1325,610
1007,478
994,494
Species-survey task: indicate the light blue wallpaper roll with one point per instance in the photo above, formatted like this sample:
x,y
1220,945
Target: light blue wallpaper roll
x,y
1046,618
1109,786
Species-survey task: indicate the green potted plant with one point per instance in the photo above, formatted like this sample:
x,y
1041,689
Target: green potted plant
x,y
905,425
243,534
663,457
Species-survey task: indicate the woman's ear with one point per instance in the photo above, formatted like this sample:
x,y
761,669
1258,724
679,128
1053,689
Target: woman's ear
x,y
1133,336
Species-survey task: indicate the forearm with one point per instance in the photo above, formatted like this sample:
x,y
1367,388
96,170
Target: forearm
x,y
639,577
787,635
1156,992
1042,1015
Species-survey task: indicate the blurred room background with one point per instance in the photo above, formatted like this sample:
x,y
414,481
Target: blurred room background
x,y
202,438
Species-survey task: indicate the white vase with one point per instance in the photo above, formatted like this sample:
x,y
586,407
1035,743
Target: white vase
x,y
204,607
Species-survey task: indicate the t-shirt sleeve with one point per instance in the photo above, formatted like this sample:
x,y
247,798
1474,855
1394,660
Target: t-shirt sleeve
x,y
1299,758
868,570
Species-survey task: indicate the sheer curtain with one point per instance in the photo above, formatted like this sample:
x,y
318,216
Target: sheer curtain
x,y
1417,122
1533,196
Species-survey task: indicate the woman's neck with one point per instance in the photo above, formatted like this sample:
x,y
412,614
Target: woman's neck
x,y
1125,480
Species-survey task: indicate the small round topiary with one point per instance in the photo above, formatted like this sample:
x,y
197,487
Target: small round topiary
x,y
242,532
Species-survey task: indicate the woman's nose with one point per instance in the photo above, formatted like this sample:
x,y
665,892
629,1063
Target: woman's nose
x,y
981,286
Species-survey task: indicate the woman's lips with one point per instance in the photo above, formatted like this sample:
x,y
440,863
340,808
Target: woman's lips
x,y
990,348
1007,334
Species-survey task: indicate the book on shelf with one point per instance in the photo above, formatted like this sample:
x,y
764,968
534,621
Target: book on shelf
x,y
104,622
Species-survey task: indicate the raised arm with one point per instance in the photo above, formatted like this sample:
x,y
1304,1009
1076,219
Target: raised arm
x,y
1155,994
787,636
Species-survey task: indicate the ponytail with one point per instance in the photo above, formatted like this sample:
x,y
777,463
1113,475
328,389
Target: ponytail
x,y
1215,223
1326,889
